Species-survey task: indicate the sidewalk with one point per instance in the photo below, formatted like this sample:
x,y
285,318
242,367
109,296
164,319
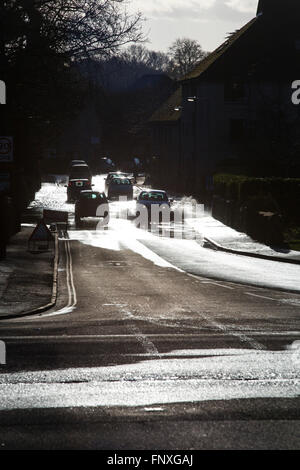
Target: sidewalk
x,y
221,237
27,281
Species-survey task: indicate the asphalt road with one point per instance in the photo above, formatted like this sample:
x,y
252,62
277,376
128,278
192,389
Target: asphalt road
x,y
140,354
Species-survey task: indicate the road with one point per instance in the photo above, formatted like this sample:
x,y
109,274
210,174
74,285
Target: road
x,y
154,343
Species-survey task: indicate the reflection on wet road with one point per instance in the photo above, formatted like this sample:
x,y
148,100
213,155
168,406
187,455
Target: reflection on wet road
x,y
175,244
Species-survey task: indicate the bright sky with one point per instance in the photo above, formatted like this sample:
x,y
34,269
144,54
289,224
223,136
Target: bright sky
x,y
207,21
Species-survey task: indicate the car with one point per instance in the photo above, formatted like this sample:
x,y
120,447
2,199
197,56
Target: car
x,y
148,198
81,171
116,174
120,187
77,162
75,186
88,203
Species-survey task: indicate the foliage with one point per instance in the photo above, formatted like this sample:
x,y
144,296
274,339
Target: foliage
x,y
274,194
184,55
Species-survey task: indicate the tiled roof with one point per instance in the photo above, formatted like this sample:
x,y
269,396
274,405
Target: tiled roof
x,y
167,112
216,54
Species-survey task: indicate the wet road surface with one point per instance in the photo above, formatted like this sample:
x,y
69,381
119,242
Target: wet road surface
x,y
140,340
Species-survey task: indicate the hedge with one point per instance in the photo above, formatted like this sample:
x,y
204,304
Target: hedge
x,y
272,193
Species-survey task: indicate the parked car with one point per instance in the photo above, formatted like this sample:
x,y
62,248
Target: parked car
x,y
151,197
75,186
81,171
120,187
88,203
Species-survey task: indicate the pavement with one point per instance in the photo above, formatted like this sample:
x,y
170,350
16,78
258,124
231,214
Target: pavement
x,y
221,237
27,281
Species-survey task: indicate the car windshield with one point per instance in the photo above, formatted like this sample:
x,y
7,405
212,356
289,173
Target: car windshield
x,y
122,181
115,175
90,195
153,196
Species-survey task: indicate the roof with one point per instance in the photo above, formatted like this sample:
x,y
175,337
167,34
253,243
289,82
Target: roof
x,y
219,52
166,112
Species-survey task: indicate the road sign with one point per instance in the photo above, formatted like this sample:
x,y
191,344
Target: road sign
x,y
40,239
41,233
6,149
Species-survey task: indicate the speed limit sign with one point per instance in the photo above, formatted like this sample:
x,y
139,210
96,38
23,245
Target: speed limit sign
x,y
6,149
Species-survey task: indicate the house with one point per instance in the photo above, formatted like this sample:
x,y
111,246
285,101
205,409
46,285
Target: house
x,y
165,124
236,105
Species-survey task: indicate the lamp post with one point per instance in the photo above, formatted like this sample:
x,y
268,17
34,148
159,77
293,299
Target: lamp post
x,y
193,165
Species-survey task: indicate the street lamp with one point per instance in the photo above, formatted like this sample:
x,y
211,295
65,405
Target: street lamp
x,y
193,166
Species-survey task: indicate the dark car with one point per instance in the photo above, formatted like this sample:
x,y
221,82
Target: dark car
x,y
81,171
154,197
120,187
88,205
116,174
76,162
75,186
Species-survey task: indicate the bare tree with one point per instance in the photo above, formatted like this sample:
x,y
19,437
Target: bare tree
x,y
184,54
75,28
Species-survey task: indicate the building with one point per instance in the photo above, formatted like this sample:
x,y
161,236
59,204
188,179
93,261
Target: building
x,y
166,149
236,105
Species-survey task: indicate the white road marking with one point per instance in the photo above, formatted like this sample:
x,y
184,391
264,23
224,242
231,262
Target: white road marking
x,y
262,296
63,338
72,294
204,281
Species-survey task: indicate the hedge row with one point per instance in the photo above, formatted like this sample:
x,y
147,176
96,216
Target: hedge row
x,y
280,195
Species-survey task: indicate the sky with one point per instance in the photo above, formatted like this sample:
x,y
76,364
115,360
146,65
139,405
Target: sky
x,y
207,21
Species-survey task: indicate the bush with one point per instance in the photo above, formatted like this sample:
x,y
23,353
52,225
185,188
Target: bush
x,y
273,194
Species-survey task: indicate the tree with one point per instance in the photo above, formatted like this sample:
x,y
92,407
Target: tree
x,y
41,43
76,28
184,54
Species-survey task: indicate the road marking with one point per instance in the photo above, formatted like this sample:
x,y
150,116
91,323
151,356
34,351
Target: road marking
x,y
150,347
262,297
201,279
71,277
217,284
72,295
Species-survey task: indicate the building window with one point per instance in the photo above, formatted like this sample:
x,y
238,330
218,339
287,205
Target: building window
x,y
237,130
